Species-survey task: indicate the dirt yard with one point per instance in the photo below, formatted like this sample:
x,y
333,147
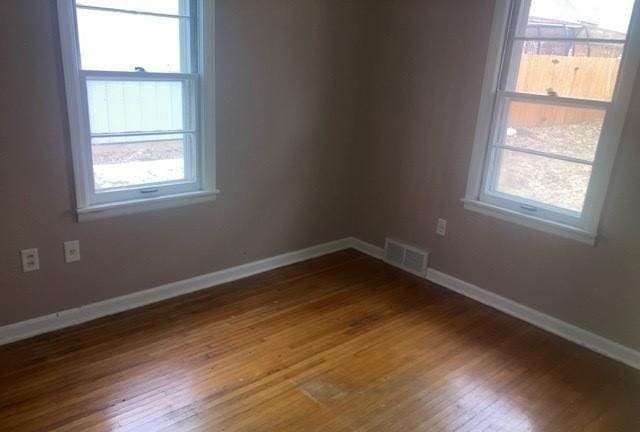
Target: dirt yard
x,y
129,164
144,151
551,181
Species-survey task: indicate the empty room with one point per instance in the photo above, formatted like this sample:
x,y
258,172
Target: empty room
x,y
320,215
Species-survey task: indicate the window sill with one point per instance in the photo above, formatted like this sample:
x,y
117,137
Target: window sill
x,y
550,227
143,205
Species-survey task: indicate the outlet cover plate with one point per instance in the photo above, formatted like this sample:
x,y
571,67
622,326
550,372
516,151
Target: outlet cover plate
x,y
30,260
71,251
441,230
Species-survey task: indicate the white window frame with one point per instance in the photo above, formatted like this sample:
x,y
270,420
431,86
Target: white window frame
x,y
201,186
583,227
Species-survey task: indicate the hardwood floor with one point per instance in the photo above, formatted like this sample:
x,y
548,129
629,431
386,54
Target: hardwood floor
x,y
339,343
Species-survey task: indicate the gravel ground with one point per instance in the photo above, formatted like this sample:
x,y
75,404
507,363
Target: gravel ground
x,y
131,164
578,140
549,181
130,152
114,175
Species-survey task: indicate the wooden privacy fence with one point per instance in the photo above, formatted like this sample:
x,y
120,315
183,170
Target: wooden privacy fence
x,y
580,77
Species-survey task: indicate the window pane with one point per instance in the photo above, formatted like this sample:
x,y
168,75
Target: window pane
x,y
170,7
136,161
137,106
578,19
117,41
560,130
570,69
550,181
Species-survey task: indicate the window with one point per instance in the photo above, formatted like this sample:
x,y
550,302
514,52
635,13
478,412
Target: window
x,y
139,82
557,83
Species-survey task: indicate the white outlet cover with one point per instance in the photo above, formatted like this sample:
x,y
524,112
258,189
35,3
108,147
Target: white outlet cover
x,y
72,251
30,260
442,227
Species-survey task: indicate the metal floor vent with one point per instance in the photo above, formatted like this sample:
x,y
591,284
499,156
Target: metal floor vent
x,y
406,257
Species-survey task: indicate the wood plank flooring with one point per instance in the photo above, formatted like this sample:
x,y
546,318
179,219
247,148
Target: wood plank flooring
x,y
338,343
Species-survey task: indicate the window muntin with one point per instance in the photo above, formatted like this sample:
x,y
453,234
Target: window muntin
x,y
167,7
139,87
556,130
559,108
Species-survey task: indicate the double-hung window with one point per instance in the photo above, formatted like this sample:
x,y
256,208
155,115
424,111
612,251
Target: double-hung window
x,y
557,84
139,80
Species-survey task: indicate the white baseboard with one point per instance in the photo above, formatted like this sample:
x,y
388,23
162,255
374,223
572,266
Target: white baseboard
x,y
366,248
553,325
70,317
56,321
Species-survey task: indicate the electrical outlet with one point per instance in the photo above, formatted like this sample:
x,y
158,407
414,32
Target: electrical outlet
x,y
72,251
30,260
442,227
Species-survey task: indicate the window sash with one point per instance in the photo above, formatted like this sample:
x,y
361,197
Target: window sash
x,y
509,59
489,192
193,152
140,133
514,39
499,122
515,203
134,76
201,55
191,112
153,189
498,53
188,30
554,100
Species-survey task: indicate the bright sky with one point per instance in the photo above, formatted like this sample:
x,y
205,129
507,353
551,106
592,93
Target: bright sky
x,y
608,14
122,41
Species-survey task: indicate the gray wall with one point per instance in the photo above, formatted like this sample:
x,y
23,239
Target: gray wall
x,y
417,126
335,118
286,109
